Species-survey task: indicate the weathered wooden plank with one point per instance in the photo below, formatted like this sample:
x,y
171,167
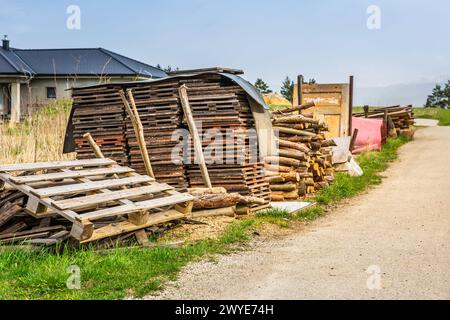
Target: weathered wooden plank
x,y
84,202
138,206
10,211
56,165
26,237
30,232
70,175
125,227
15,228
90,186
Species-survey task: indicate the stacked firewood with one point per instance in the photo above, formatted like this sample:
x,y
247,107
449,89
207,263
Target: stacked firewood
x,y
303,165
218,202
399,120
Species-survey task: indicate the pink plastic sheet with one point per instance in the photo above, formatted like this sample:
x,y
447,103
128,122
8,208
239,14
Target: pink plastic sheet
x,y
369,134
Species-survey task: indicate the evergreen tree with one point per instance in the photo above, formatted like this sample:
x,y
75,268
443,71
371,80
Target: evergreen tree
x,y
287,89
262,86
440,97
167,69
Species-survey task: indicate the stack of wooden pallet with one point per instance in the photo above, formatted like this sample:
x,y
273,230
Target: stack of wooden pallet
x,y
100,111
160,114
303,165
226,126
220,108
90,200
397,118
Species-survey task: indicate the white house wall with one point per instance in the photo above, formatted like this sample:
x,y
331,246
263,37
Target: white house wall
x,y
38,89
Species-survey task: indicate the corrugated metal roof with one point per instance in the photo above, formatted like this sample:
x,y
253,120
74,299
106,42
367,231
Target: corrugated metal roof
x,y
81,62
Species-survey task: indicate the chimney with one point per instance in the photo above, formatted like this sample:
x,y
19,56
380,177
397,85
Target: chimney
x,y
5,43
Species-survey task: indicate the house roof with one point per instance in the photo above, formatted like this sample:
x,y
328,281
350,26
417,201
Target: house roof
x,y
71,62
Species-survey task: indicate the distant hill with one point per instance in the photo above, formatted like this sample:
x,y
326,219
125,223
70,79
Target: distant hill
x,y
414,93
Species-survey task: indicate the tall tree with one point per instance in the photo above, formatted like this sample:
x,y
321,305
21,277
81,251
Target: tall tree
x,y
262,86
440,97
287,89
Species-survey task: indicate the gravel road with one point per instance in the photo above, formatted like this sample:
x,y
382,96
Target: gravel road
x,y
399,230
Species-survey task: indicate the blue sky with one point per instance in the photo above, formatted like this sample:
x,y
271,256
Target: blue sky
x,y
327,40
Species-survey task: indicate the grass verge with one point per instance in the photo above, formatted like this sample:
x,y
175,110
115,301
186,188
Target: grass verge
x,y
442,115
119,273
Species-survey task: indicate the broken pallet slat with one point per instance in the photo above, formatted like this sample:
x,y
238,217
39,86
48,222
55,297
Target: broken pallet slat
x,y
15,228
56,165
138,206
10,211
84,202
25,237
70,175
90,186
31,232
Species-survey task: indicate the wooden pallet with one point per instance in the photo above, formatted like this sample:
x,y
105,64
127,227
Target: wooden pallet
x,y
86,191
215,101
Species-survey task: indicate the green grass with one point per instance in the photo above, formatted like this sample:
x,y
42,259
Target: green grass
x,y
279,106
105,275
434,113
137,272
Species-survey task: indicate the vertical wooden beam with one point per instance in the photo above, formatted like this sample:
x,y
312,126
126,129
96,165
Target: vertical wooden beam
x,y
198,149
386,122
299,90
138,129
352,142
350,106
366,111
15,102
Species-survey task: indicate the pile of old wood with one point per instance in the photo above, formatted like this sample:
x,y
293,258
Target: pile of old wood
x,y
217,201
220,107
84,201
398,120
303,165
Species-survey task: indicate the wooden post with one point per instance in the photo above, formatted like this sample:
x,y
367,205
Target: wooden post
x,y
352,142
195,136
138,129
350,106
300,90
97,151
366,111
386,122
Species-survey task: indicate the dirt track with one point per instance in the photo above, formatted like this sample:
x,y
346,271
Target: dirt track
x,y
401,226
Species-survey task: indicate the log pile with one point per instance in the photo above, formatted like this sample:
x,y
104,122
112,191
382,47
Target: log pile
x,y
398,120
304,164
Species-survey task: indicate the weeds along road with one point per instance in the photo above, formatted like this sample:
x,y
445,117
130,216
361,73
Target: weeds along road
x,y
399,230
